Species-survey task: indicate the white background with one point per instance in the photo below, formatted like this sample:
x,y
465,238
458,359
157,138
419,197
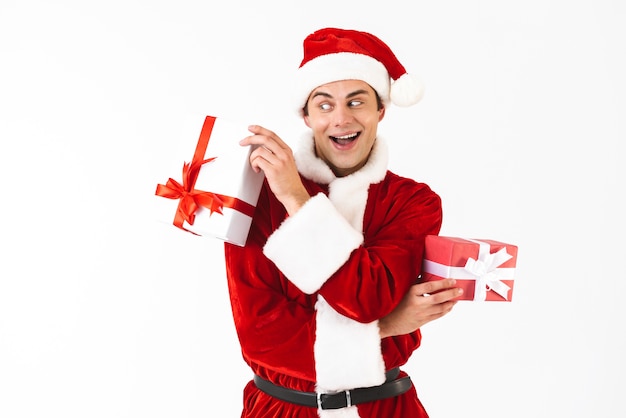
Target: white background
x,y
104,312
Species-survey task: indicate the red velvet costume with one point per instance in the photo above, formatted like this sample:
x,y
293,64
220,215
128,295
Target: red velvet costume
x,y
307,290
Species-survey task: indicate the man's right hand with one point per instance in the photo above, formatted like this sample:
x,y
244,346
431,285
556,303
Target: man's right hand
x,y
275,158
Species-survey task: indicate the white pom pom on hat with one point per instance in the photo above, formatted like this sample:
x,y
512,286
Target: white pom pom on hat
x,y
333,54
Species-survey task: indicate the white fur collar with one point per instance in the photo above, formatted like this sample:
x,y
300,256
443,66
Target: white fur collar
x,y
314,168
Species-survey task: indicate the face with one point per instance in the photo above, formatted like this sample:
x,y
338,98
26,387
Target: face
x,y
344,117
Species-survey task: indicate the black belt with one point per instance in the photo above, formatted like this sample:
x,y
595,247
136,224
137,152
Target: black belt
x,y
392,387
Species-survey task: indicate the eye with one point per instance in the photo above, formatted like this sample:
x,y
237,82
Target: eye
x,y
355,103
325,106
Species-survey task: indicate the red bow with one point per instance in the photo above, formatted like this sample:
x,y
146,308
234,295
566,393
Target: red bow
x,y
190,199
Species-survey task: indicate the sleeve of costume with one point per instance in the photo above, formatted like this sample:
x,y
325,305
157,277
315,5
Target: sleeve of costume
x,y
363,276
275,325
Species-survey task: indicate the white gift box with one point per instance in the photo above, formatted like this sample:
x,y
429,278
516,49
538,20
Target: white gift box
x,y
226,182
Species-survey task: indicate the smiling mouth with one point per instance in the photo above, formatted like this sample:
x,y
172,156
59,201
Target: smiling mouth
x,y
345,139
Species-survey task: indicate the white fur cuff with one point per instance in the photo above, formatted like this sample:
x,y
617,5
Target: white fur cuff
x,y
313,244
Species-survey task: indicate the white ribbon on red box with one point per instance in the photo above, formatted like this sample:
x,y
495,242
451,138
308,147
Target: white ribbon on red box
x,y
485,271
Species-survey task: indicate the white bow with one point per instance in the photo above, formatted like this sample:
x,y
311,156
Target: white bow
x,y
486,271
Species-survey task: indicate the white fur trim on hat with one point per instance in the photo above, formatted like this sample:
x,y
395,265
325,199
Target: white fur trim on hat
x,y
336,67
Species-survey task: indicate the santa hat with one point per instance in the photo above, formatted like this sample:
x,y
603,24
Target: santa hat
x,y
332,54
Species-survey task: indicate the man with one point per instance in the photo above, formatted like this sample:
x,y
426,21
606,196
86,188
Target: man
x,y
323,293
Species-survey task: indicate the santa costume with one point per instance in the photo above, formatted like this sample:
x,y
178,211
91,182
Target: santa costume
x,y
307,290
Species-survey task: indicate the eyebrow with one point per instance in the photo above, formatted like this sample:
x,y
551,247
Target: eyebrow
x,y
349,96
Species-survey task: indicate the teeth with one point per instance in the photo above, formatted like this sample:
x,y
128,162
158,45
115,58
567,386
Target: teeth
x,y
350,136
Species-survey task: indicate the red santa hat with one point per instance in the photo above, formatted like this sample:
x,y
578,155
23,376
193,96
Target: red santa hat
x,y
333,54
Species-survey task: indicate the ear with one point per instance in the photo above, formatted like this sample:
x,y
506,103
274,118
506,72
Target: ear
x,y
306,120
381,113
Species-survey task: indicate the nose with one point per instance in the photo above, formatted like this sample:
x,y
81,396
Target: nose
x,y
342,115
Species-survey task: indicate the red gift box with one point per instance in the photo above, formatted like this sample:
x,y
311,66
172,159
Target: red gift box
x,y
483,268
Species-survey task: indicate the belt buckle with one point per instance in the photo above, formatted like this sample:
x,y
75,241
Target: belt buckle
x,y
348,399
346,393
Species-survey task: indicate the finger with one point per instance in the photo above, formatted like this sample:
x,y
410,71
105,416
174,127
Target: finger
x,y
434,286
440,310
261,142
254,140
260,146
261,159
267,149
259,130
444,296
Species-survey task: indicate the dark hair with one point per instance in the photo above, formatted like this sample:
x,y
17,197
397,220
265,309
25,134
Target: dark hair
x,y
379,104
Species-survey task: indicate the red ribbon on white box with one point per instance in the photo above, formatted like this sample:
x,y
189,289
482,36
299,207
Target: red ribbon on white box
x,y
190,199
485,271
